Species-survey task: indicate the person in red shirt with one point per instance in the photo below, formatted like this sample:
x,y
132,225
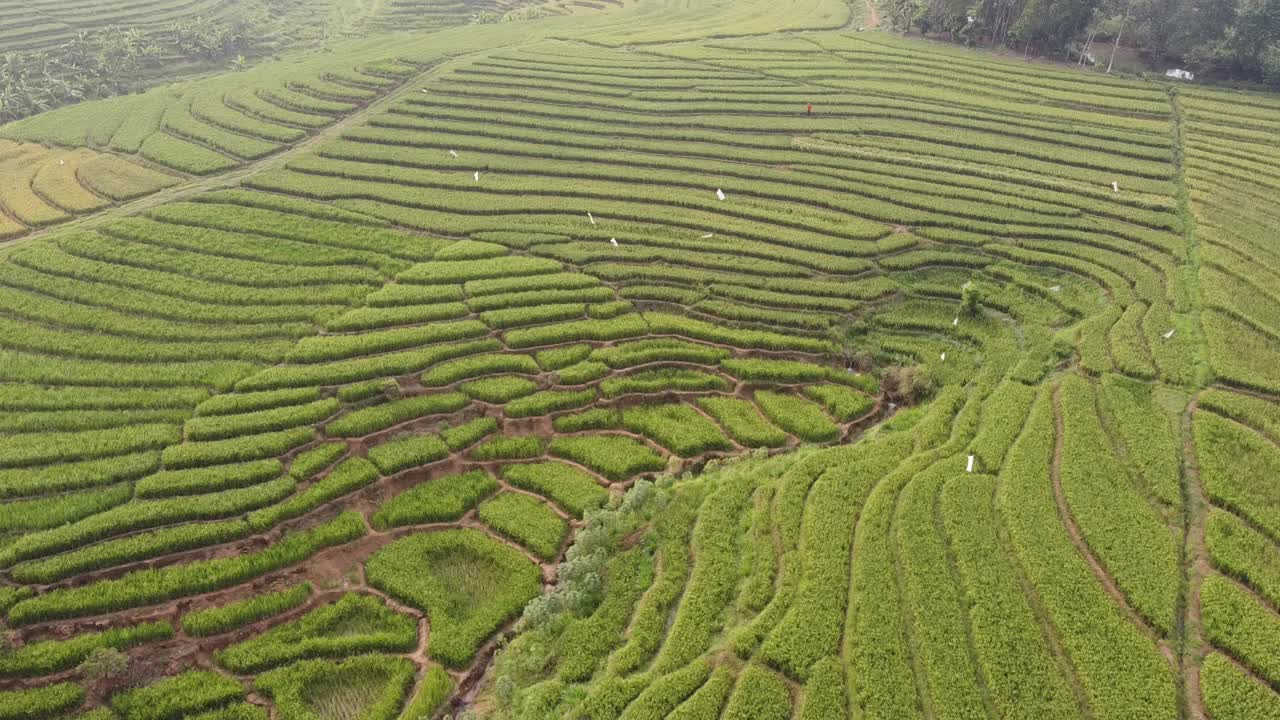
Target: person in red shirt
x,y
810,108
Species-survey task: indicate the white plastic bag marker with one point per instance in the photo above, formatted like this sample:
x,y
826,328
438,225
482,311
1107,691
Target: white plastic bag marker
x,y
956,322
1115,186
477,176
613,242
970,468
1169,334
720,194
708,236
591,218
453,153
944,357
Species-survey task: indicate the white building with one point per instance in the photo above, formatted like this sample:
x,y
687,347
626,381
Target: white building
x,y
1180,74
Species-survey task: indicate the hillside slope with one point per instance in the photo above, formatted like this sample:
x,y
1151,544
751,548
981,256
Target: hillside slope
x,y
314,430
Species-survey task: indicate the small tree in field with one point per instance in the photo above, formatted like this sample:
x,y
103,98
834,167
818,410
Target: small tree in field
x,y
108,670
971,300
906,386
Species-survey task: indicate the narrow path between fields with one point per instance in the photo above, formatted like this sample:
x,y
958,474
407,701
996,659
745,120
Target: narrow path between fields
x,y
872,19
1195,563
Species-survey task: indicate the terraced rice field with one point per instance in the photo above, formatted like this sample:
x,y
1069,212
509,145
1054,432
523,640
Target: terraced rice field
x,y
44,23
570,368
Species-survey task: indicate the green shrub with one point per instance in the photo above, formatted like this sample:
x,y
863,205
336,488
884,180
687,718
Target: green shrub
x,y
381,417
218,620
468,583
439,500
567,486
509,448
743,422
617,458
679,428
527,521
797,416
353,625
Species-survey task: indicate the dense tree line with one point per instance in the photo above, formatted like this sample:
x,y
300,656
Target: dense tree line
x,y
1237,39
